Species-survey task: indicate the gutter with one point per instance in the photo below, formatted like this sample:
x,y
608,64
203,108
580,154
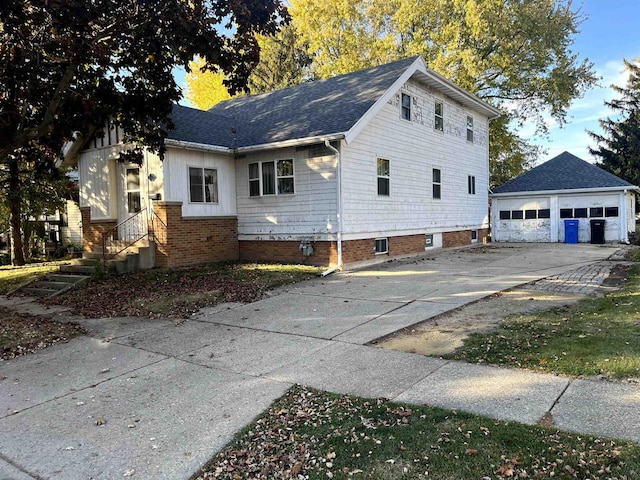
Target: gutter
x,y
196,146
339,266
291,143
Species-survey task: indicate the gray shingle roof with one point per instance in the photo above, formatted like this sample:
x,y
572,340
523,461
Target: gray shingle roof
x,y
564,172
199,126
323,107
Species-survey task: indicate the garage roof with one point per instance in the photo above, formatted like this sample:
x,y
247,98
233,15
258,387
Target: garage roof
x,y
564,172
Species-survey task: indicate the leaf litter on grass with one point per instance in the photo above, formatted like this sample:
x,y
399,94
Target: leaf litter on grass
x,y
309,434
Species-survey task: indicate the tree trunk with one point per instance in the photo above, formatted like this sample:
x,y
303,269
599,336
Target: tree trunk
x,y
15,210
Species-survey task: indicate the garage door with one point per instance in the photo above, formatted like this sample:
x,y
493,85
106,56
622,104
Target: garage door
x,y
522,220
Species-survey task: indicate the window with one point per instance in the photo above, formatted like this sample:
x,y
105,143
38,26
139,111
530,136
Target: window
x,y
611,212
530,214
406,107
596,212
517,214
469,128
474,235
285,177
580,213
383,177
271,178
471,184
133,190
428,241
566,213
505,214
439,116
544,213
382,246
437,183
203,185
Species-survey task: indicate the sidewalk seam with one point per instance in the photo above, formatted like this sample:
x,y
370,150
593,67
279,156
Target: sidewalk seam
x,y
20,468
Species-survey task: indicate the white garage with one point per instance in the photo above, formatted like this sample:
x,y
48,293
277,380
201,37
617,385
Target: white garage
x,y
561,195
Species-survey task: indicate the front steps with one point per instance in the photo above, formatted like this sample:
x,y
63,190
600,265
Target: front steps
x,y
140,256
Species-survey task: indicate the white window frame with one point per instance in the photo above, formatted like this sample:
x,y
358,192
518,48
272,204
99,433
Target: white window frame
x,y
216,193
434,183
469,129
386,243
438,116
404,108
277,184
474,236
471,184
386,177
134,195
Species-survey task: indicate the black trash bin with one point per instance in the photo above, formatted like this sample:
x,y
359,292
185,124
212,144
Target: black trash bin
x,y
597,231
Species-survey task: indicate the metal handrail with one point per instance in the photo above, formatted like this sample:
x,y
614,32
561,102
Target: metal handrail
x,y
136,234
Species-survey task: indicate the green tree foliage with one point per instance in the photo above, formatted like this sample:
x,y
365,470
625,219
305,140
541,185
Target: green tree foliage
x,y
619,144
516,54
284,62
66,65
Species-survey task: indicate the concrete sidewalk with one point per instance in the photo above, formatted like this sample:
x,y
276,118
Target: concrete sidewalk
x,y
167,396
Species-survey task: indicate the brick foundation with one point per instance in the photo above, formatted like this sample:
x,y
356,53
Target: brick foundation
x,y
324,253
192,241
456,239
361,250
483,235
92,231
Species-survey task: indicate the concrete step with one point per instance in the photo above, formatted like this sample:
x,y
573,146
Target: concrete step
x,y
50,284
78,269
85,261
39,292
61,278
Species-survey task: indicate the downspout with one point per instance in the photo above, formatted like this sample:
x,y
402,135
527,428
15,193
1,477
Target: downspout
x,y
624,214
327,144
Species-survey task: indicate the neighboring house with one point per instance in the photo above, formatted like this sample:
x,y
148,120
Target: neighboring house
x,y
533,206
382,162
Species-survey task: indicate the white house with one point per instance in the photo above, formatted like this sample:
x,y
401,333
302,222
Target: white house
x,y
534,206
381,162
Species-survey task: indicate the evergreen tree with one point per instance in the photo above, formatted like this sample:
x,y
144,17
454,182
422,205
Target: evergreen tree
x,y
619,144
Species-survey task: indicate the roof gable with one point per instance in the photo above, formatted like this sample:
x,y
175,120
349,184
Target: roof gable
x,y
564,172
335,107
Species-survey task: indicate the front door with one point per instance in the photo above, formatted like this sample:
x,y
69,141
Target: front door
x,y
133,219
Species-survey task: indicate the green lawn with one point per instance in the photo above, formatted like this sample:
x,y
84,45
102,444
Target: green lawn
x,y
319,435
598,336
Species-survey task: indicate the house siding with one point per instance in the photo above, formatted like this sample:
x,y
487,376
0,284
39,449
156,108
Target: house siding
x,y
97,180
413,150
309,214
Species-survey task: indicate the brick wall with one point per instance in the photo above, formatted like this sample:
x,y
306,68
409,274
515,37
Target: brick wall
x,y
406,244
483,235
456,239
92,231
358,250
324,253
191,241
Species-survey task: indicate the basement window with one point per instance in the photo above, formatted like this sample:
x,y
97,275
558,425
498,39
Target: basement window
x,y
382,246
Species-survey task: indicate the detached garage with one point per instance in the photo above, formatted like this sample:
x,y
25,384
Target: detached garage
x,y
534,206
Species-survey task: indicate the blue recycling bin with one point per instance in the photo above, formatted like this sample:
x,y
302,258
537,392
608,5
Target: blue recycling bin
x,y
571,231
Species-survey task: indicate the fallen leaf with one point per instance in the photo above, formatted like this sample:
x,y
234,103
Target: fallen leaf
x,y
471,451
129,473
101,421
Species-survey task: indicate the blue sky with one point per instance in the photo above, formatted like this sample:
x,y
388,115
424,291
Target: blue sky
x,y
610,33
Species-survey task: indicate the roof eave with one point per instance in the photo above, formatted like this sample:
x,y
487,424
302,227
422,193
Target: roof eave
x,y
169,142
565,191
295,142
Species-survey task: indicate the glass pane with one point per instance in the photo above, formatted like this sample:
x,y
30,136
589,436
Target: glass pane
x,y
438,109
505,214
517,214
133,179
211,185
596,212
268,178
470,123
285,185
383,186
195,184
285,168
530,214
383,167
566,213
254,171
611,212
254,188
439,124
436,175
544,213
133,202
406,100
580,213
436,190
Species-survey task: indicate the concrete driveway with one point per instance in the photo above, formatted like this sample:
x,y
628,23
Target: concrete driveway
x,y
151,399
